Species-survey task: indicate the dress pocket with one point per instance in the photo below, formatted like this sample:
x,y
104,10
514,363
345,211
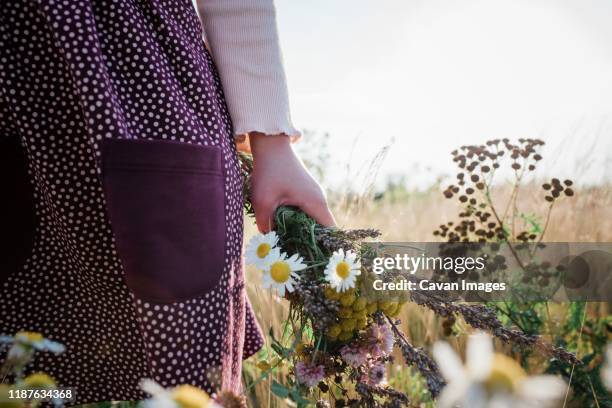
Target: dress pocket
x,y
166,205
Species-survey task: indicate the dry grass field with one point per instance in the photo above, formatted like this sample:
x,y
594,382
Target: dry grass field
x,y
412,216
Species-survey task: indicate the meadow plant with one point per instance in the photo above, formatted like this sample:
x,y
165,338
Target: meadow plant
x,y
487,217
336,340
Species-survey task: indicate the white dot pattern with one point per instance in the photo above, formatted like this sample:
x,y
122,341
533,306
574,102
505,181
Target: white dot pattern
x,y
72,73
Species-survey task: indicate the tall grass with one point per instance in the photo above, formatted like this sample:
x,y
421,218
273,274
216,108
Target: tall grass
x,y
406,215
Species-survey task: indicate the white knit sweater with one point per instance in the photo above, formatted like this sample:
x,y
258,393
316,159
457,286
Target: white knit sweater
x,y
243,38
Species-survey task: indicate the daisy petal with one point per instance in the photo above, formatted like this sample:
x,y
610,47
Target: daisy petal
x,y
475,397
448,361
479,355
543,388
151,387
452,394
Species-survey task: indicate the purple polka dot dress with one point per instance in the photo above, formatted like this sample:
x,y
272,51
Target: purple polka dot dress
x,y
121,210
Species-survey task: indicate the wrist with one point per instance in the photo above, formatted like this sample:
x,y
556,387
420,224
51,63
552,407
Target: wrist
x,y
263,145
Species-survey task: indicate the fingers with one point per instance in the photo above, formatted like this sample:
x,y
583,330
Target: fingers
x,y
318,209
264,215
311,201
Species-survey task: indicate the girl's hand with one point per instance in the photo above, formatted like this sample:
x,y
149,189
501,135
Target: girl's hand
x,y
280,178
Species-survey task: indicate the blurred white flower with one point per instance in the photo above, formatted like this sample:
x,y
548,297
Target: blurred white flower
x,y
491,380
34,340
342,270
279,271
24,344
161,398
183,396
259,249
606,372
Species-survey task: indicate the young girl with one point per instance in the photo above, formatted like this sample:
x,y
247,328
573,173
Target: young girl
x,y
120,134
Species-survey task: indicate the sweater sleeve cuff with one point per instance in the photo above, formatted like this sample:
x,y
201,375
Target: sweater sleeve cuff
x,y
243,39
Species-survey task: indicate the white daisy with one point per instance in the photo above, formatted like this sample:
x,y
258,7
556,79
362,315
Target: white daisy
x,y
491,379
259,248
23,346
280,271
182,396
342,270
161,398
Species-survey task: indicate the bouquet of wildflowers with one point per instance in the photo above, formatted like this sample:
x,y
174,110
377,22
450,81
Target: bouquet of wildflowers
x,y
339,336
342,337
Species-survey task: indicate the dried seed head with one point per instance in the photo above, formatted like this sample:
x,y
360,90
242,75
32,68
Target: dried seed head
x,y
228,399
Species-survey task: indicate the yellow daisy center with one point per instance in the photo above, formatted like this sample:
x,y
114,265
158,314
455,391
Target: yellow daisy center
x,y
280,271
506,373
263,250
39,380
33,337
343,269
188,396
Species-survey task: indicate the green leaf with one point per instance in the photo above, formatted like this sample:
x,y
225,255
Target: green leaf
x,y
279,389
298,398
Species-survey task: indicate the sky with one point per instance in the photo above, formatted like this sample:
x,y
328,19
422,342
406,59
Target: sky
x,y
431,75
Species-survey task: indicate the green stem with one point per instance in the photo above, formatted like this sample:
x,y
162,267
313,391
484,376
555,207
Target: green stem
x,y
314,355
264,375
315,265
